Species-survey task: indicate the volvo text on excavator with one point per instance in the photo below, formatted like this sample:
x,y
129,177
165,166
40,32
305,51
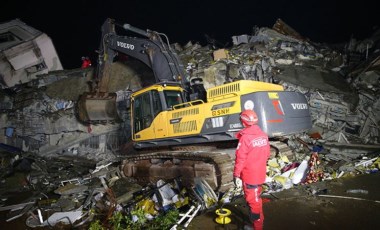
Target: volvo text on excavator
x,y
177,113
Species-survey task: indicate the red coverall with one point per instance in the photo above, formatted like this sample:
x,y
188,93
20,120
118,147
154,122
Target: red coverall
x,y
252,154
86,62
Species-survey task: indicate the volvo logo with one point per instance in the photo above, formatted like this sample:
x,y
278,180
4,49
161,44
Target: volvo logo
x,y
299,105
125,45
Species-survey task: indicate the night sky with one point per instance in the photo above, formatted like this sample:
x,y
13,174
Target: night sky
x,y
74,26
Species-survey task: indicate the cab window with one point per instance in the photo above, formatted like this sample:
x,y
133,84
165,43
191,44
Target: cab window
x,y
145,108
173,98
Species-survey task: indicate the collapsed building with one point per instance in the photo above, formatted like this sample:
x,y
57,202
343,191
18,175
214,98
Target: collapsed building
x,y
25,53
39,114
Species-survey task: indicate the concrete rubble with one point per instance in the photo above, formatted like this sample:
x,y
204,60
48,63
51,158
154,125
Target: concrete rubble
x,y
76,164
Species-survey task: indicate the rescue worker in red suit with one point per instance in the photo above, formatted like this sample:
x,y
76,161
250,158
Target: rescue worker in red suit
x,y
252,154
86,62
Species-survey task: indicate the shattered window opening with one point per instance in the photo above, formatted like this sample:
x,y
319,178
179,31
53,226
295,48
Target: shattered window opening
x,y
8,37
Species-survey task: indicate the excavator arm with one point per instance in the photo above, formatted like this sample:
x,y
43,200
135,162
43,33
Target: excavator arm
x,y
149,48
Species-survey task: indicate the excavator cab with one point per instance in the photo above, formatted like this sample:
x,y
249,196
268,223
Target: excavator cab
x,y
148,103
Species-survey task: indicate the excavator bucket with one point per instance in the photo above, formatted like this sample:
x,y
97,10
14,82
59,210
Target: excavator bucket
x,y
97,107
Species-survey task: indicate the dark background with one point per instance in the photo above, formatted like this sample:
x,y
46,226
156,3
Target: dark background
x,y
74,26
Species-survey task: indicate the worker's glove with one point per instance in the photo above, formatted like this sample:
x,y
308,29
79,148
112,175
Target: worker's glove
x,y
238,183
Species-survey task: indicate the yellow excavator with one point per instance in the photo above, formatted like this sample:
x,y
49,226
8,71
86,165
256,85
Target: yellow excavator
x,y
179,128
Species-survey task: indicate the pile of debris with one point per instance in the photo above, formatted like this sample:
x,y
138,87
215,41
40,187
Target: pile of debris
x,y
96,198
341,85
79,193
41,128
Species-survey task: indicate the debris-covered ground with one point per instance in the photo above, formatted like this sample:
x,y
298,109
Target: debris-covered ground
x,y
36,193
57,169
323,205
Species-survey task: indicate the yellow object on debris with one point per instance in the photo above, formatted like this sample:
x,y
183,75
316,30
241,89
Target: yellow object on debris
x,y
273,163
148,206
223,214
182,201
376,163
285,159
282,180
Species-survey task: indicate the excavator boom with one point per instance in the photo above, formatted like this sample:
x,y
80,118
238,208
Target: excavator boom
x,y
151,50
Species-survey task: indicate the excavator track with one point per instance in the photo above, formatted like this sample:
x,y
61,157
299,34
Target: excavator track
x,y
215,167
280,148
188,162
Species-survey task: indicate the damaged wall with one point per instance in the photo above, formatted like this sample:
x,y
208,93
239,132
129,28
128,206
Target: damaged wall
x,y
42,116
